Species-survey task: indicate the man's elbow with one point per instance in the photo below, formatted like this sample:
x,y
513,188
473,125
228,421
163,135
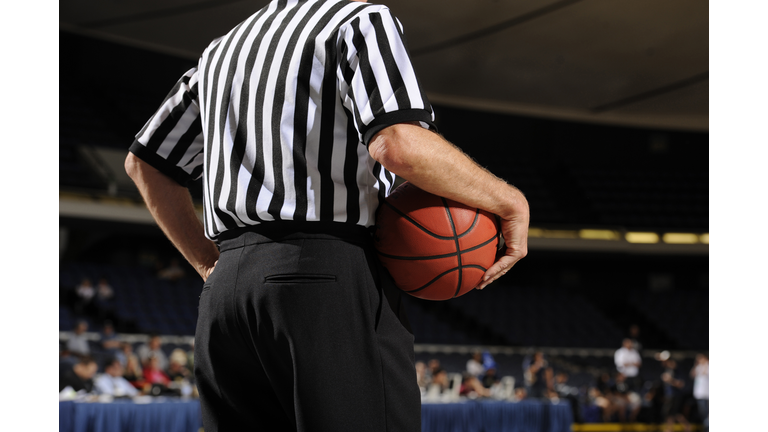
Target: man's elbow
x,y
136,168
390,148
132,166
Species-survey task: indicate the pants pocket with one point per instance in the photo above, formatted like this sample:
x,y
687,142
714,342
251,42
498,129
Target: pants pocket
x,y
297,278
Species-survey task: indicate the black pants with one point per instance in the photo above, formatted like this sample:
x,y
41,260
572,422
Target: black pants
x,y
303,330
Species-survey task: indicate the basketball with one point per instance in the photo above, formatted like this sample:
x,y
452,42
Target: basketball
x,y
434,248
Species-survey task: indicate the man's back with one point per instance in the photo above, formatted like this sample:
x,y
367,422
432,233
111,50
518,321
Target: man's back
x,y
282,107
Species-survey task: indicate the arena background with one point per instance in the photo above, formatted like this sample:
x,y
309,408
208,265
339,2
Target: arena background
x,y
606,131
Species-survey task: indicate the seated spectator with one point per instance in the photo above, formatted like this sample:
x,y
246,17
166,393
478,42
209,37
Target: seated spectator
x,y
521,394
472,387
180,356
112,382
78,376
173,272
133,372
421,376
104,291
154,374
624,399
177,370
600,395
569,393
126,352
475,365
439,383
84,297
490,379
77,345
153,348
103,299
108,341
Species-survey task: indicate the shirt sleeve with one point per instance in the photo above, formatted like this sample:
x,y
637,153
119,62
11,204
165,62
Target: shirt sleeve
x,y
378,84
172,139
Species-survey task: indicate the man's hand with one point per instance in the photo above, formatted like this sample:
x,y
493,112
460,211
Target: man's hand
x,y
205,272
515,234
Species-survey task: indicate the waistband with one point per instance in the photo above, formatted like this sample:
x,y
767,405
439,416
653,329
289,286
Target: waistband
x,y
268,232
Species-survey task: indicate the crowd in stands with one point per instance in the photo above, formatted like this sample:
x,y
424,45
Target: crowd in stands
x,y
115,369
619,394
631,388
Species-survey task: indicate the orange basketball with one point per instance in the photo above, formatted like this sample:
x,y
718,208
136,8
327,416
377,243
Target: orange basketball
x,y
434,248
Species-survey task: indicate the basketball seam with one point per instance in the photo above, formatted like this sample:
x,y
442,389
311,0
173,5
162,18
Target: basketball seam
x,y
474,222
406,217
445,273
456,240
431,257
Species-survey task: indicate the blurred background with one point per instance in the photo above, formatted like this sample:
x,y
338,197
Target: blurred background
x,y
597,110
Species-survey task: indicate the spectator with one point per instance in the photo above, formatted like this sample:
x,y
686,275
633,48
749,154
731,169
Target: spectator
x,y
173,272
569,393
624,399
153,349
78,376
177,369
628,363
77,344
154,374
439,384
540,376
601,396
421,376
475,365
84,296
109,342
433,365
133,372
103,298
104,291
700,375
490,378
673,396
112,382
126,352
520,394
472,387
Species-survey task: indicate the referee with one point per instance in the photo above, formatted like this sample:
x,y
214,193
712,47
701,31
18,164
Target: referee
x,y
296,121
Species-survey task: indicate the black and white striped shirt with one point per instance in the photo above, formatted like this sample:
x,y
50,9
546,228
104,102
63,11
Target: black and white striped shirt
x,y
277,115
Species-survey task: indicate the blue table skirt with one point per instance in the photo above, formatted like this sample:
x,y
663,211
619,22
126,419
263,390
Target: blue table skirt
x,y
126,416
184,416
496,416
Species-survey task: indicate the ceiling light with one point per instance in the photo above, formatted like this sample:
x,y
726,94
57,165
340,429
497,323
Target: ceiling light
x,y
681,238
595,234
642,237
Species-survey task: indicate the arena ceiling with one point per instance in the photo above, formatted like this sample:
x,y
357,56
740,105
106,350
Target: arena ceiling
x,y
631,62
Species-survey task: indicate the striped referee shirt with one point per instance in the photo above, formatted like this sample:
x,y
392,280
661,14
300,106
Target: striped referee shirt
x,y
278,113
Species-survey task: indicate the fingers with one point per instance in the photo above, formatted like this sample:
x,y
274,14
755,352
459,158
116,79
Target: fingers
x,y
517,249
502,266
207,272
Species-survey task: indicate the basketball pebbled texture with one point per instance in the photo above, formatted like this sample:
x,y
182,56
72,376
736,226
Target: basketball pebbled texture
x,y
434,248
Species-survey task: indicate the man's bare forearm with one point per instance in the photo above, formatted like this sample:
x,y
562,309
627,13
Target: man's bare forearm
x,y
437,166
171,206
